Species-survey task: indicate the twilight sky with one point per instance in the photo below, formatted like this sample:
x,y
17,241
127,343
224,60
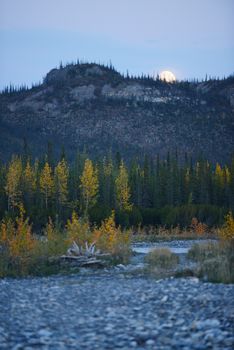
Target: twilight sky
x,y
191,38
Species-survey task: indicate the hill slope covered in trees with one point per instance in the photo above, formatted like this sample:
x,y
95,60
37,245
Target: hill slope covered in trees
x,y
93,106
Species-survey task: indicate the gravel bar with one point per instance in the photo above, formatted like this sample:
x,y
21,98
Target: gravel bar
x,y
114,311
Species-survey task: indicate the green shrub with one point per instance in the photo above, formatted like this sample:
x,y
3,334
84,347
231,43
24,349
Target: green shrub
x,y
162,257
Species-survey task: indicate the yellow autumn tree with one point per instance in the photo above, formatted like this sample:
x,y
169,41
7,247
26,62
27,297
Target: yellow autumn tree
x,y
46,183
61,182
89,185
13,182
123,189
106,235
22,242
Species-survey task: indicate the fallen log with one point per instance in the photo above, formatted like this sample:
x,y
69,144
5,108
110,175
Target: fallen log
x,y
81,261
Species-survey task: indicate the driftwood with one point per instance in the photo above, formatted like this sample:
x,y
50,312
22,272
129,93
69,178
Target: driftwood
x,y
88,250
87,256
82,261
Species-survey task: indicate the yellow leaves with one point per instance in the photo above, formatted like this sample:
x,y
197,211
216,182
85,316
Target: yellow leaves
x,y
22,242
78,230
3,236
227,231
17,237
61,181
46,182
13,179
106,234
218,171
89,185
6,231
109,237
222,175
122,189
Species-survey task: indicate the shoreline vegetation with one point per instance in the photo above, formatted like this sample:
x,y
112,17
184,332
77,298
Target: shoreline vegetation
x,y
46,207
26,254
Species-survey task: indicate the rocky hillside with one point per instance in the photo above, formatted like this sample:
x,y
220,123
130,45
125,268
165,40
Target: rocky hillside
x,y
93,106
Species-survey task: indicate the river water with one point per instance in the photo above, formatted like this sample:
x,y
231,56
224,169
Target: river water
x,y
176,246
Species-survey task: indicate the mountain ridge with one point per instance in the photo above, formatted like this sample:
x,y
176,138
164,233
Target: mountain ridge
x,y
94,106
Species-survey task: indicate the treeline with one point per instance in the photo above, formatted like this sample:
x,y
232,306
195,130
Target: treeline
x,y
152,192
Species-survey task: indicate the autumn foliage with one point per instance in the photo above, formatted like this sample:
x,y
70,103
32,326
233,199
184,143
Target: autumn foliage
x,y
109,237
198,227
78,230
16,239
227,230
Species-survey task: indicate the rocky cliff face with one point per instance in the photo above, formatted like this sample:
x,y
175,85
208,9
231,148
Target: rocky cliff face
x,y
94,106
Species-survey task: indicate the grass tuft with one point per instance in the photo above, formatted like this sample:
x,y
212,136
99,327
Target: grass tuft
x,y
216,260
162,257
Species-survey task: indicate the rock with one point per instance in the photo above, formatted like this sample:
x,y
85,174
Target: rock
x,y
194,279
101,310
164,299
150,342
82,93
45,333
209,323
133,344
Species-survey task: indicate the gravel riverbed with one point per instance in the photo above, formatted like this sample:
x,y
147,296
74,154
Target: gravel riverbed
x,y
102,310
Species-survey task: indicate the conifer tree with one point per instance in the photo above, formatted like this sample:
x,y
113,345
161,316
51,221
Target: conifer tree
x,y
29,184
108,182
219,184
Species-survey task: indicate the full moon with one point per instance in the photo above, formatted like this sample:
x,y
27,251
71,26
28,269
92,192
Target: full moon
x,y
167,76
